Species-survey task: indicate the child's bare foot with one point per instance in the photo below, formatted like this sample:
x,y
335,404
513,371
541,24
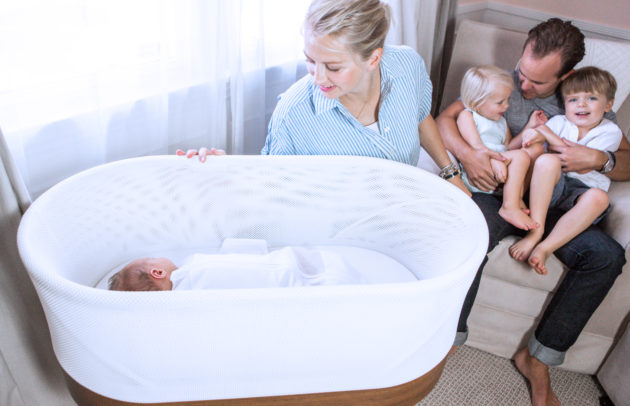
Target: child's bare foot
x,y
524,207
522,249
537,374
518,218
537,259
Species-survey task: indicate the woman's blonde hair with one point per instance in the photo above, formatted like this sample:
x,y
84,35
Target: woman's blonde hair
x,y
479,82
361,25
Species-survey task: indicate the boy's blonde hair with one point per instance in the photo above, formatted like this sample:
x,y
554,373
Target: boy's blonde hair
x,y
359,24
479,82
590,79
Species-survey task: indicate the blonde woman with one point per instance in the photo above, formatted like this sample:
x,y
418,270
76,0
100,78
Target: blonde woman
x,y
485,93
360,97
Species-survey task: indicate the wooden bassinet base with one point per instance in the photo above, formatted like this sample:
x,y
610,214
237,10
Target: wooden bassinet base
x,y
408,393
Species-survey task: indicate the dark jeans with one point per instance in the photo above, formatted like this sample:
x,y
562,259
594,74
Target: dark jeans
x,y
594,260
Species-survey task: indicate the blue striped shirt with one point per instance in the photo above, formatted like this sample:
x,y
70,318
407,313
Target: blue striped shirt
x,y
306,122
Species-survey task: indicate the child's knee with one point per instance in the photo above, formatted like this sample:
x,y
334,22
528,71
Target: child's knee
x,y
534,150
598,198
548,162
520,156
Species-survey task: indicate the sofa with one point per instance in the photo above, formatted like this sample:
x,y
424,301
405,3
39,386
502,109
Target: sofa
x,y
512,296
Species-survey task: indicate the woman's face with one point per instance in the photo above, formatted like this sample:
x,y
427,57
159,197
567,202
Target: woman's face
x,y
335,69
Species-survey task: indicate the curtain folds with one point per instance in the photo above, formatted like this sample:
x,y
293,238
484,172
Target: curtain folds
x,y
29,372
428,26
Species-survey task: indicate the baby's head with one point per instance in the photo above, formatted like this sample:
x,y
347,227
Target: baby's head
x,y
144,274
588,94
486,90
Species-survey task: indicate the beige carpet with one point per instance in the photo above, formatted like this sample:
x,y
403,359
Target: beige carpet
x,y
476,378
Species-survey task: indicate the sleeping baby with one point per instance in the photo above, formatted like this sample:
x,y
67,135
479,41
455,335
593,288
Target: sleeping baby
x,y
289,266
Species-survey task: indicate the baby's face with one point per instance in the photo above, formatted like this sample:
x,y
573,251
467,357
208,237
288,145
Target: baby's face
x,y
586,109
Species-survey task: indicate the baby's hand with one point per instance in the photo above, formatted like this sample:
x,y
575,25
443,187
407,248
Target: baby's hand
x,y
532,136
500,170
203,152
537,118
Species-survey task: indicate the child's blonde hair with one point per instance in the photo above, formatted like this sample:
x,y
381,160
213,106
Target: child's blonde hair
x,y
590,79
479,82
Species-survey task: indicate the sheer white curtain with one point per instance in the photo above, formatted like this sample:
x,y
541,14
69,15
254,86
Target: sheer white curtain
x,y
85,82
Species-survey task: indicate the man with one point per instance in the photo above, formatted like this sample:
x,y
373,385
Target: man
x,y
594,259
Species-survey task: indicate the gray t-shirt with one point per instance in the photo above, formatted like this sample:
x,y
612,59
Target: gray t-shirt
x,y
520,108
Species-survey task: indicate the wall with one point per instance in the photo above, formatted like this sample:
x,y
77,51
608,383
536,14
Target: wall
x,y
598,19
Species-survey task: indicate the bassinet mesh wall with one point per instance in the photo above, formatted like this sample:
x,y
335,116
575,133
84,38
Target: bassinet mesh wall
x,y
250,342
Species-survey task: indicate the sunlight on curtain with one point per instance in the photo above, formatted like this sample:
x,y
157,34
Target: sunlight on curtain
x,y
86,82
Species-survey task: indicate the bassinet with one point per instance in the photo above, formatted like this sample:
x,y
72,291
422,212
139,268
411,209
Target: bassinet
x,y
277,344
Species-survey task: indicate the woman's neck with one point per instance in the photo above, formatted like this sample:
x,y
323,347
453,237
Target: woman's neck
x,y
363,105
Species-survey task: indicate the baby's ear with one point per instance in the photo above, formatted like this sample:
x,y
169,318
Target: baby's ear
x,y
158,273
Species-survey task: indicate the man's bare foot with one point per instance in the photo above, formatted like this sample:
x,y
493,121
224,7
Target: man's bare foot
x,y
518,218
452,351
522,249
537,259
537,374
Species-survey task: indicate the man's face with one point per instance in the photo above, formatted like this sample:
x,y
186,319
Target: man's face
x,y
538,77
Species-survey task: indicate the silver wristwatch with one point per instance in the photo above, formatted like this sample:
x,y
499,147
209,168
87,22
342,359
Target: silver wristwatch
x,y
610,163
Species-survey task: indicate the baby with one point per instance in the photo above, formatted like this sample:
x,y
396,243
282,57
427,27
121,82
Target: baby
x,y
485,92
289,266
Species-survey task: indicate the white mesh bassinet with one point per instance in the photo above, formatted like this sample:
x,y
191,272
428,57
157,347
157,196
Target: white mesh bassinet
x,y
222,344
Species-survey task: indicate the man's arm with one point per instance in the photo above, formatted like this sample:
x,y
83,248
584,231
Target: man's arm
x,y
475,162
579,158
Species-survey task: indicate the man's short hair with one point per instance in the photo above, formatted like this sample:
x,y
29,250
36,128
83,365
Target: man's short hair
x,y
555,35
590,79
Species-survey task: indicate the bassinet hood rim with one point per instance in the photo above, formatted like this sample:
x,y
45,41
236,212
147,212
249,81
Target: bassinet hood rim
x,y
48,280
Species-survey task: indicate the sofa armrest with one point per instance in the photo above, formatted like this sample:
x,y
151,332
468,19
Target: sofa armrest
x,y
617,223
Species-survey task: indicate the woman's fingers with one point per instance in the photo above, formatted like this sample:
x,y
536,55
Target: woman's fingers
x,y
202,153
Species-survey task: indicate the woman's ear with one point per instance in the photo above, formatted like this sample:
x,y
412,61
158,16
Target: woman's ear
x,y
158,273
375,59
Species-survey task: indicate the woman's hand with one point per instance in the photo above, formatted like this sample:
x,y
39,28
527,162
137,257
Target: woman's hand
x,y
202,153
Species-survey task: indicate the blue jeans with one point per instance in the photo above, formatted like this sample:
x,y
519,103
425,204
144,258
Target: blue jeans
x,y
594,260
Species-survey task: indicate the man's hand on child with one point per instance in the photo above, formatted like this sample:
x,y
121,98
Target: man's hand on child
x,y
202,153
576,157
500,170
478,168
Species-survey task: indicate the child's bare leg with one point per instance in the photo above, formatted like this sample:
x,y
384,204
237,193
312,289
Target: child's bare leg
x,y
547,172
512,210
588,207
534,151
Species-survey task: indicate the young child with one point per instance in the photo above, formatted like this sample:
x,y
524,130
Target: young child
x,y
485,92
289,266
588,94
